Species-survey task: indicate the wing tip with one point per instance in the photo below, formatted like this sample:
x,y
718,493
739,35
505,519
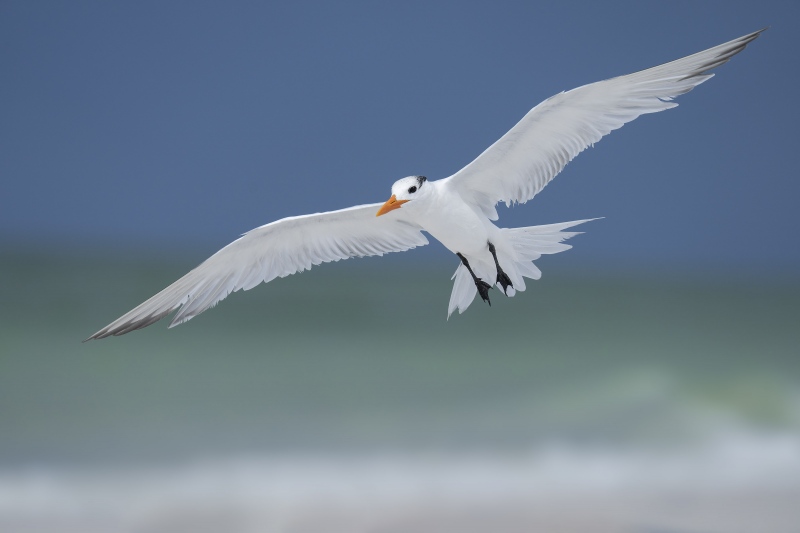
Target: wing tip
x,y
127,326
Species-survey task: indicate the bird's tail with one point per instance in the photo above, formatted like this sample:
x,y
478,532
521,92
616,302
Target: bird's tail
x,y
520,247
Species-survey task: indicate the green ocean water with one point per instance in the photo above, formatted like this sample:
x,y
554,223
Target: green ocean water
x,y
359,356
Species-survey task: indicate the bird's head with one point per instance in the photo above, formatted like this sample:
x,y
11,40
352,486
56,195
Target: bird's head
x,y
403,191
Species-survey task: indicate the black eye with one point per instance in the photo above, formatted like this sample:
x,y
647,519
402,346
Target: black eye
x,y
412,189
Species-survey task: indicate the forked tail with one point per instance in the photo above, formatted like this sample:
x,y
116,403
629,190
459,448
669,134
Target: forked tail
x,y
516,254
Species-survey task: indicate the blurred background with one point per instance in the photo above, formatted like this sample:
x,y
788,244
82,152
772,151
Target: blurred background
x,y
650,382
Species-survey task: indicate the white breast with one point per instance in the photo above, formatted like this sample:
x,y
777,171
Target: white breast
x,y
454,223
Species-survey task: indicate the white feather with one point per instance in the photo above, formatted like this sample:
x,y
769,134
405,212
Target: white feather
x,y
275,250
527,245
524,160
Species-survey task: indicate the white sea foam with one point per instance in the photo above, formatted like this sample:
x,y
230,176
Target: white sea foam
x,y
739,482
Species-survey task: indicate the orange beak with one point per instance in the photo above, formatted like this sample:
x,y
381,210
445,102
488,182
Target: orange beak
x,y
390,205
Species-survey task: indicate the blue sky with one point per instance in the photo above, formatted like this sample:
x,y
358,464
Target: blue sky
x,y
179,125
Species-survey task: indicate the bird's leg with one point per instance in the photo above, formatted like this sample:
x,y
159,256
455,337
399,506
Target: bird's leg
x,y
483,287
502,277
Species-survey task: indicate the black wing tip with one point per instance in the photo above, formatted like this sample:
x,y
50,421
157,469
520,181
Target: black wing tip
x,y
740,43
744,40
127,327
733,48
750,37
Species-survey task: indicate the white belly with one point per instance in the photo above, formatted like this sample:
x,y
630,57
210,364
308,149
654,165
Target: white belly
x,y
458,227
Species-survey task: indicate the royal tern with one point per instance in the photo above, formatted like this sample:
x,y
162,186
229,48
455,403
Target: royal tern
x,y
457,211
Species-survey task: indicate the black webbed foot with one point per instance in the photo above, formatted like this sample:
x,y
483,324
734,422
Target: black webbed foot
x,y
502,277
482,286
504,281
483,290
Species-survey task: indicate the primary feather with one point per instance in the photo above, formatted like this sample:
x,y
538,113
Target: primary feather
x,y
277,249
538,147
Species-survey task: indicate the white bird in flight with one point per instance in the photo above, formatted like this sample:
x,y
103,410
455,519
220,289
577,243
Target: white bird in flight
x,y
457,211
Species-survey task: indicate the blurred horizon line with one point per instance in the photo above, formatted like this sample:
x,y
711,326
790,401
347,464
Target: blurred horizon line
x,y
574,263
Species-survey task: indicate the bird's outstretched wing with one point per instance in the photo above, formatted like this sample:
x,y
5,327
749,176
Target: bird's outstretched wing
x,y
278,249
524,160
